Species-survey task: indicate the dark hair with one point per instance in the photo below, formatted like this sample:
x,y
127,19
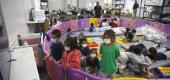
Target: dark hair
x,y
93,50
55,20
69,29
114,19
138,50
1,78
53,11
127,29
18,36
153,50
91,24
110,33
167,48
133,31
57,33
142,46
82,40
159,45
72,43
104,20
132,48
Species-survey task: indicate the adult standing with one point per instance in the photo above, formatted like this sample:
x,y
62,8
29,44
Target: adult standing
x,y
98,10
135,7
1,76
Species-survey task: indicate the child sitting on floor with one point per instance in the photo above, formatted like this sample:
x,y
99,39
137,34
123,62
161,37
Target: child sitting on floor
x,y
165,50
132,36
139,63
144,50
104,23
124,58
93,62
155,56
127,33
114,23
91,27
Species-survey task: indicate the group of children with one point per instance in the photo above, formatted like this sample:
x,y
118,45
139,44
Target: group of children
x,y
138,59
130,35
76,54
79,56
105,23
113,23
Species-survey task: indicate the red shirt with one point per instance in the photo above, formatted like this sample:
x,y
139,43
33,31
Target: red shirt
x,y
71,59
114,24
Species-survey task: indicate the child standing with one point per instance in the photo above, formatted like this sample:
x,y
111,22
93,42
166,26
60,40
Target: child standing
x,y
57,47
84,47
71,55
110,53
84,50
93,62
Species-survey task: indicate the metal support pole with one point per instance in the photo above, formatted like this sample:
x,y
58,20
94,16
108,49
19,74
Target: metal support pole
x,y
77,4
140,7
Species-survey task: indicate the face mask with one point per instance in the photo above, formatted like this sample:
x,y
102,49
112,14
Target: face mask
x,y
67,48
92,55
53,40
107,41
84,45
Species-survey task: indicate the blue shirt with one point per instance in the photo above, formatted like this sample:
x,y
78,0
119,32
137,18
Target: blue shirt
x,y
91,28
85,51
160,56
57,50
69,34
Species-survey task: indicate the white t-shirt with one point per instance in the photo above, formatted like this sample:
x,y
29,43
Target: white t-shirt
x,y
140,59
104,24
167,54
123,59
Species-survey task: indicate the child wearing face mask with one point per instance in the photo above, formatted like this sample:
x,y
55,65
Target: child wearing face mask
x,y
84,50
110,53
71,55
57,47
84,47
93,62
